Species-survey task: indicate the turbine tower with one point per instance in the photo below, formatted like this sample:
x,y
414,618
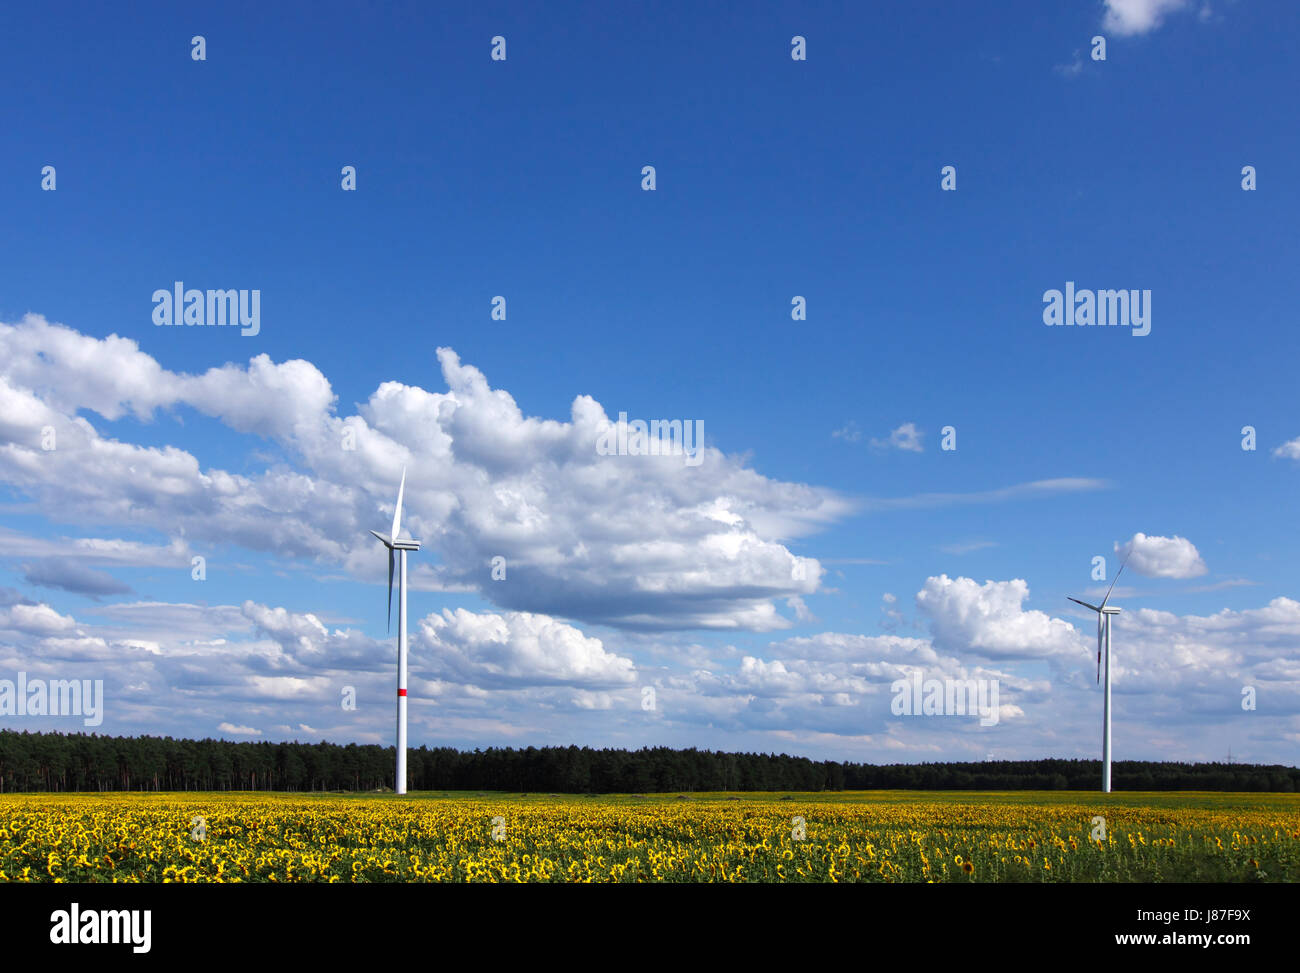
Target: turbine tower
x,y
397,548
1104,614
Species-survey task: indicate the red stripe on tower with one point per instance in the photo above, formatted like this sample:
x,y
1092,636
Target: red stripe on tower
x,y
401,692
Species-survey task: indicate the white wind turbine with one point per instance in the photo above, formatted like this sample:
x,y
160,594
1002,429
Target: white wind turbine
x,y
400,547
1104,614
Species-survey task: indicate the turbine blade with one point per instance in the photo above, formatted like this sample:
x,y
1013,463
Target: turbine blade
x,y
1075,600
383,537
397,514
1100,621
1116,578
390,589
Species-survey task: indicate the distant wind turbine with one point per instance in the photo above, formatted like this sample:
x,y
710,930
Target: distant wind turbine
x,y
399,547
1104,614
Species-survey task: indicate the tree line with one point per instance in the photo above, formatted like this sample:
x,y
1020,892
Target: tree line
x,y
90,762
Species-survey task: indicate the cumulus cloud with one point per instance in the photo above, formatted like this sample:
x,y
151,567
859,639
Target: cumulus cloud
x,y
1127,17
990,620
305,643
518,648
1162,557
629,541
35,619
186,668
1194,667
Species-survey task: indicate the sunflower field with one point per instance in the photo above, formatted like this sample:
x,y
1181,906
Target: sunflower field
x,y
853,837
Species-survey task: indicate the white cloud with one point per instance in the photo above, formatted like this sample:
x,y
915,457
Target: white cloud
x,y
630,541
518,648
906,437
243,731
1289,450
96,549
175,622
307,644
492,676
801,611
1127,17
989,620
838,647
40,620
1205,660
1162,557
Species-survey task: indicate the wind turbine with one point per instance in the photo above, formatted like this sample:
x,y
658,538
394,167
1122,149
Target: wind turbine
x,y
397,548
1104,614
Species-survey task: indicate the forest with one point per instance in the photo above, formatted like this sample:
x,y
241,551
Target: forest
x,y
90,762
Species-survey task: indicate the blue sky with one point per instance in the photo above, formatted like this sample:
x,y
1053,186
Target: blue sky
x,y
775,178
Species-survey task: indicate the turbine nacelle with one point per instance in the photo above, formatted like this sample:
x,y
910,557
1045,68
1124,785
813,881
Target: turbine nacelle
x,y
403,544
